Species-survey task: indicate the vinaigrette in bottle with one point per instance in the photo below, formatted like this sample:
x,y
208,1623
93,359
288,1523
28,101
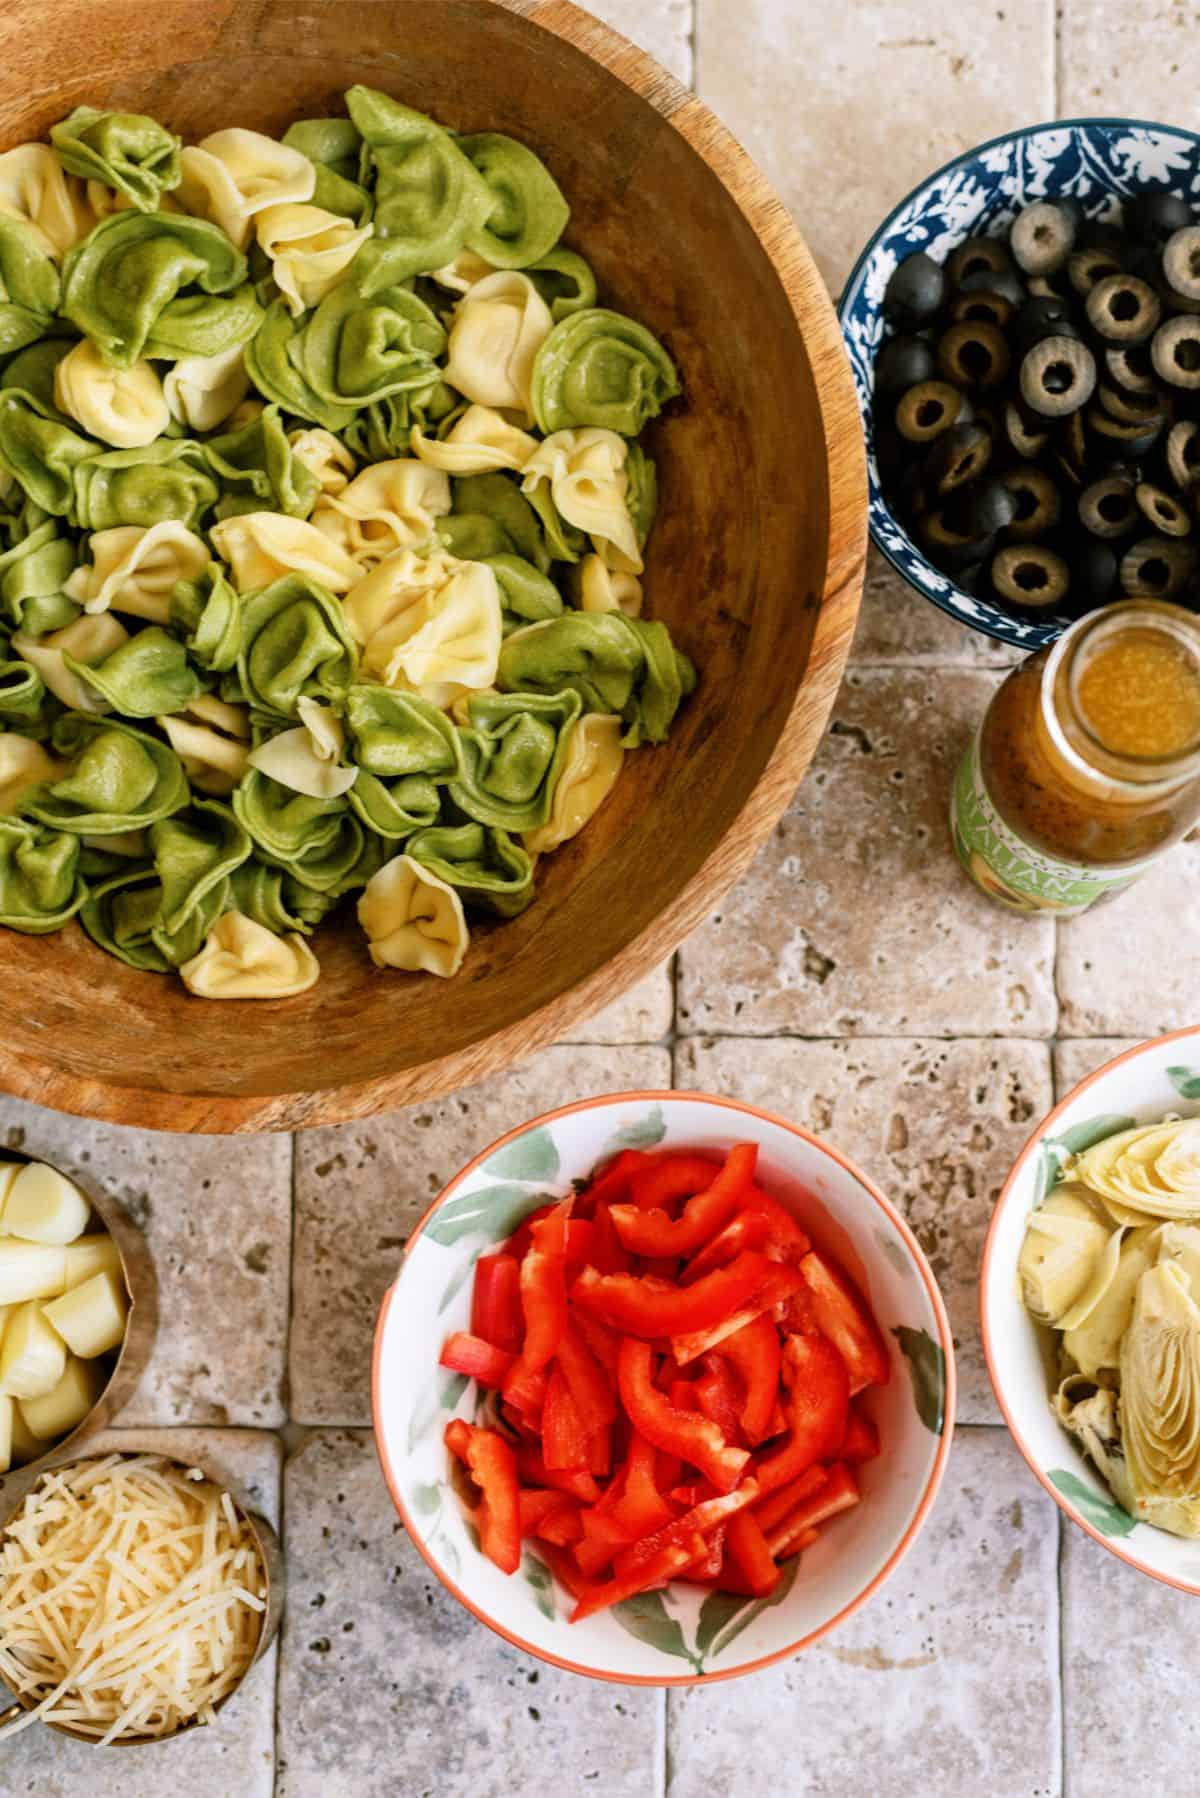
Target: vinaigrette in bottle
x,y
1086,767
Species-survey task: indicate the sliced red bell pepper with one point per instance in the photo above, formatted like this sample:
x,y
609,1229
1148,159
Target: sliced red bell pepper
x,y
753,1351
561,1562
700,1521
666,1178
838,1493
562,1527
544,1288
746,1547
635,1498
654,1308
576,1483
588,1382
604,1343
519,1242
844,1317
719,1395
777,1505
538,1505
525,1392
599,1452
750,1229
665,1566
517,1420
564,1439
778,1423
479,1360
708,1565
612,1182
654,1232
696,1439
609,1254
496,1302
862,1437
580,1236
492,1466
776,1287
602,1538
817,1401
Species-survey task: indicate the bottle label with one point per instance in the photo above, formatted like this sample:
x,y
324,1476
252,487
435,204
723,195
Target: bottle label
x,y
1010,870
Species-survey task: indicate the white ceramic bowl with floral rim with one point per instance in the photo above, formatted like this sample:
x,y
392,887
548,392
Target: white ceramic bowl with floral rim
x,y
677,1636
1139,1087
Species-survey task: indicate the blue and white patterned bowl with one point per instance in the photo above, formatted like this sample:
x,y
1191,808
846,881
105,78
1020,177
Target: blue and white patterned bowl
x,y
1098,161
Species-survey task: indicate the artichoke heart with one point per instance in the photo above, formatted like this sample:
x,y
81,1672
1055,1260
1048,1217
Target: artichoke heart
x,y
1090,1414
1160,1398
1094,1344
1068,1258
1153,1170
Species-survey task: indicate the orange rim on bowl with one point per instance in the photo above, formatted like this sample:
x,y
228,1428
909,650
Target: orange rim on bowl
x,y
936,1472
1043,1129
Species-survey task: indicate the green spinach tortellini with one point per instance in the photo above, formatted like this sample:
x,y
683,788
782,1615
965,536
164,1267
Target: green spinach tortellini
x,y
324,539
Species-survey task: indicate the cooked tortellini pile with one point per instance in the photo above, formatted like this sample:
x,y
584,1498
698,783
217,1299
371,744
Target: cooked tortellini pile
x,y
323,516
1111,1262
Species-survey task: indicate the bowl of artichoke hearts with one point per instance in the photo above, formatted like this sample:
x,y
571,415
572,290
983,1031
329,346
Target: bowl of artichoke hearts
x,y
1090,1302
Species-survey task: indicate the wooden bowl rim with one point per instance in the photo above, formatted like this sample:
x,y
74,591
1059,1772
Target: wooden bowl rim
x,y
846,491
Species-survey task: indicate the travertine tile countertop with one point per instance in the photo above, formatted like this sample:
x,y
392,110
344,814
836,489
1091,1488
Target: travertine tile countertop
x,y
853,982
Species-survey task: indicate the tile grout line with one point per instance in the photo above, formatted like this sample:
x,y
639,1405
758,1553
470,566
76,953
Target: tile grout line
x,y
284,1437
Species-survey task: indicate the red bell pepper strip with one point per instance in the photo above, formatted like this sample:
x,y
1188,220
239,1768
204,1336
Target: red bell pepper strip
x,y
492,1465
696,1439
777,1286
496,1302
575,1482
719,1395
580,1235
654,1232
750,1229
655,1572
746,1548
525,1392
589,1384
708,1565
519,1242
637,1503
561,1562
839,1493
599,1452
669,1177
479,1360
862,1437
817,1402
652,1308
700,1521
602,1538
609,1254
778,1504
753,1351
843,1316
604,1343
562,1527
537,1506
564,1439
544,1288
613,1181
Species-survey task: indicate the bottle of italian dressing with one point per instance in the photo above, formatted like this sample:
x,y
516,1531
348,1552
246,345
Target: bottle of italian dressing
x,y
1087,765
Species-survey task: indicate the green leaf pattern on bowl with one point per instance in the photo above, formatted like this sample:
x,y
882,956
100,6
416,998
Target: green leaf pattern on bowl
x,y
1055,1151
492,1212
927,1367
1109,1518
531,1157
1186,1082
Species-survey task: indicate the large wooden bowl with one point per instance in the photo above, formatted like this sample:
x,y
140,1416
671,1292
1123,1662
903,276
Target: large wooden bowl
x,y
756,561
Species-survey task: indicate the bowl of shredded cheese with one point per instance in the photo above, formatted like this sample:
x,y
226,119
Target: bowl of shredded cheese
x,y
136,1593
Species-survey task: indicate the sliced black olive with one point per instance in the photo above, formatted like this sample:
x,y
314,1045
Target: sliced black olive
x,y
1131,408
930,408
1118,438
1071,452
1005,283
982,308
1086,267
1093,572
976,255
1181,261
1175,352
981,509
1154,216
958,457
1027,437
1123,309
1100,234
948,548
1131,368
904,362
1038,502
1156,567
974,356
916,292
1183,453
1043,236
1046,317
1058,376
1108,509
1030,575
1162,511
1050,287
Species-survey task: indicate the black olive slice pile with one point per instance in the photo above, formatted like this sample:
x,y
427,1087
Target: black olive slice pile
x,y
1037,406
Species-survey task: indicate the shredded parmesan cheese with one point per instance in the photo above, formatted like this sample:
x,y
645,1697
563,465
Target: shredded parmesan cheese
x,y
131,1599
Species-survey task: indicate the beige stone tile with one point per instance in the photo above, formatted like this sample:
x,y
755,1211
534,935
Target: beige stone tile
x,y
360,1188
936,1124
1127,61
1074,1060
216,1211
642,1015
388,1685
898,624
944,1684
1120,1626
236,1754
848,108
1131,967
855,918
664,27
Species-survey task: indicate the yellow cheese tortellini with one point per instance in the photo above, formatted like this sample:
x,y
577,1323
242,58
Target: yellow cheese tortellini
x,y
499,326
35,190
231,176
389,506
310,250
244,960
203,392
89,640
260,547
413,920
212,739
133,569
604,589
307,759
586,473
124,407
23,764
590,770
476,443
325,456
431,627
